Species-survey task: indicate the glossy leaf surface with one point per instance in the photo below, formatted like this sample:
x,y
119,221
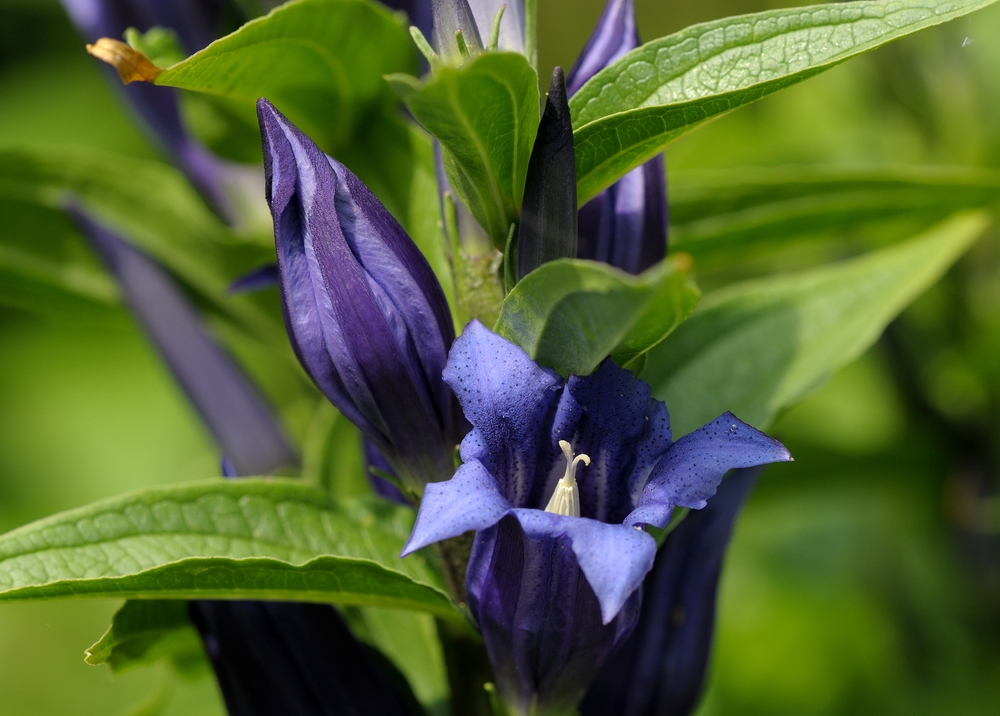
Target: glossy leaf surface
x,y
571,314
629,111
241,539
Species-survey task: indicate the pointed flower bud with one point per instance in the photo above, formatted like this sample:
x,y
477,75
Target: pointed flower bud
x,y
548,228
365,314
625,225
555,593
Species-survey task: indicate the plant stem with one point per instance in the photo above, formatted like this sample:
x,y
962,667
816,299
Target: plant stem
x,y
468,671
531,31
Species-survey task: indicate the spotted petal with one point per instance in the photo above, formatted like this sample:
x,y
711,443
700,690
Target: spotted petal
x,y
693,467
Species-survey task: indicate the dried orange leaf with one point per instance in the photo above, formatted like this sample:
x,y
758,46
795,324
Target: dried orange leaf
x,y
131,64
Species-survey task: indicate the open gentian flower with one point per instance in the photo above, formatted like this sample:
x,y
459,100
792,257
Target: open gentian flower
x,y
558,479
365,314
626,224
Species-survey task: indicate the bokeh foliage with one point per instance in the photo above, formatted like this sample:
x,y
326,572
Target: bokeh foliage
x,y
864,579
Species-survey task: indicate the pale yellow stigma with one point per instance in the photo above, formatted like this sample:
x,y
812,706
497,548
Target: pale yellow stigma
x,y
566,497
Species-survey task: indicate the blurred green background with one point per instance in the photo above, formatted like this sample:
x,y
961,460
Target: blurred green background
x,y
863,579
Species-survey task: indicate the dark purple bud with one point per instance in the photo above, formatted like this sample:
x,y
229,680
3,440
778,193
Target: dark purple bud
x,y
450,18
625,225
660,669
257,280
236,414
613,37
195,24
296,660
365,314
548,227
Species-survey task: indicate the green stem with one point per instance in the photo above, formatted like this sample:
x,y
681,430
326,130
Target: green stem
x,y
531,31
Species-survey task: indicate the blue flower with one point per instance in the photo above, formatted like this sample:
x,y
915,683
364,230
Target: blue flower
x,y
364,312
626,224
558,561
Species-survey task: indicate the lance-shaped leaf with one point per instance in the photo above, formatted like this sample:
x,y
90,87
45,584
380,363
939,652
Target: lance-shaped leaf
x,y
660,669
723,217
548,212
759,346
628,112
321,61
485,153
452,17
365,314
232,408
296,660
224,539
571,314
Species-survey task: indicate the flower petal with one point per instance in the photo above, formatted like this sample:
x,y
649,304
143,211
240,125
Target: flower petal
x,y
614,35
694,466
614,558
509,399
468,501
661,667
606,415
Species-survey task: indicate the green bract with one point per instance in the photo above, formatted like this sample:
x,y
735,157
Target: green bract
x,y
485,152
570,314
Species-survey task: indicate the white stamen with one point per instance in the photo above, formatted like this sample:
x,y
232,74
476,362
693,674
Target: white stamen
x,y
566,497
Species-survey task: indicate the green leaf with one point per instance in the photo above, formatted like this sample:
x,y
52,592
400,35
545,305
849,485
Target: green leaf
x,y
630,110
571,314
218,539
485,114
321,62
146,631
723,217
759,346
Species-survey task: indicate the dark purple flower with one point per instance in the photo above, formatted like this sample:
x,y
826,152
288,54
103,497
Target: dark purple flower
x,y
418,11
296,660
230,405
257,280
626,224
365,314
555,589
660,668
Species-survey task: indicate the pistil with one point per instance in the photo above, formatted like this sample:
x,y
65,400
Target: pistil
x,y
566,497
